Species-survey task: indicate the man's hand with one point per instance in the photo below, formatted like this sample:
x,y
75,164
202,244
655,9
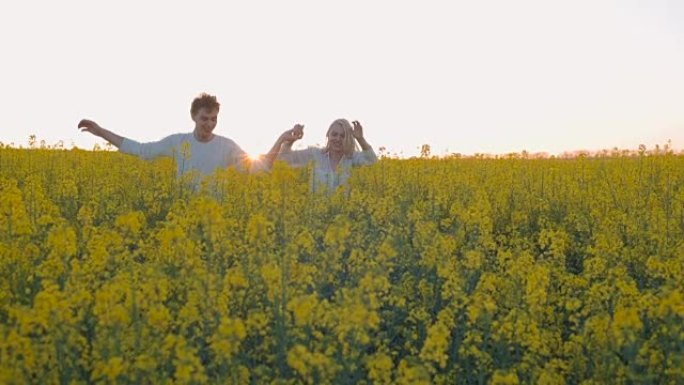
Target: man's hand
x,y
89,126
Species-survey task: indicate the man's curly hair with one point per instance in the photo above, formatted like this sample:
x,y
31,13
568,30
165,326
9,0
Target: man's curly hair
x,y
204,100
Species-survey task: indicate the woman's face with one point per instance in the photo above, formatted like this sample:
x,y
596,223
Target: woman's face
x,y
336,138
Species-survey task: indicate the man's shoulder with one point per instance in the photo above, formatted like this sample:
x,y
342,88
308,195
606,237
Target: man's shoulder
x,y
224,141
179,137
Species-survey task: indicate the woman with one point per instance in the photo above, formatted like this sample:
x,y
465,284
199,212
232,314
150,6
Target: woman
x,y
331,164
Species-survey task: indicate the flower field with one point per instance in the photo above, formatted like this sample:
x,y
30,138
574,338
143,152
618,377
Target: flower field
x,y
422,271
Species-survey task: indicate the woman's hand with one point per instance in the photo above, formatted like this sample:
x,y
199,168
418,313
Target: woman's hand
x,y
357,130
292,135
284,143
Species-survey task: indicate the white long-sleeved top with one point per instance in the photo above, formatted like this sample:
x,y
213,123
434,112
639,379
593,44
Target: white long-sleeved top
x,y
323,173
203,157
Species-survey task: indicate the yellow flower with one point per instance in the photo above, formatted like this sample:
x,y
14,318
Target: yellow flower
x,y
337,233
436,344
380,367
272,277
313,367
159,318
131,222
110,369
412,374
303,308
235,278
14,220
259,230
626,325
504,378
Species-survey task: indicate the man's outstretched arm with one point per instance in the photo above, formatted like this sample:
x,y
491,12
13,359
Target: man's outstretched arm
x,y
89,126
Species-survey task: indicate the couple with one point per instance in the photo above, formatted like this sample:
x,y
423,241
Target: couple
x,y
204,151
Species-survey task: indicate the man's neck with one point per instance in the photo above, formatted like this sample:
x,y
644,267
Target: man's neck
x,y
200,138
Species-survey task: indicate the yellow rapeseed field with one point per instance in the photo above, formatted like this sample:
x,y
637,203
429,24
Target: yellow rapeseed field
x,y
422,271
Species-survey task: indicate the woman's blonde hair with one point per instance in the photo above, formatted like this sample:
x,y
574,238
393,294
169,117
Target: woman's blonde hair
x,y
349,144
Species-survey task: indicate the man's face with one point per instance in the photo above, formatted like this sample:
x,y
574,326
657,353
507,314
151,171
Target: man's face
x,y
205,122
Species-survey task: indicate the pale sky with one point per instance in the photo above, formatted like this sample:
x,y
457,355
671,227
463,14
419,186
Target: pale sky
x,y
462,76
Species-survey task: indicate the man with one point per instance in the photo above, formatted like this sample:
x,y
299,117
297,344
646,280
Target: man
x,y
199,150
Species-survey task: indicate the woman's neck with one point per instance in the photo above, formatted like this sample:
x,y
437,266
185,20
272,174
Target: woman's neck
x,y
335,157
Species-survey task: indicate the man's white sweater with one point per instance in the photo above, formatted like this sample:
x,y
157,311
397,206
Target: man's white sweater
x,y
219,152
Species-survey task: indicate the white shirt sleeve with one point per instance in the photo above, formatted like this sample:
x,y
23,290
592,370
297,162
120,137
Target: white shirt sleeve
x,y
360,158
238,157
297,158
151,150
